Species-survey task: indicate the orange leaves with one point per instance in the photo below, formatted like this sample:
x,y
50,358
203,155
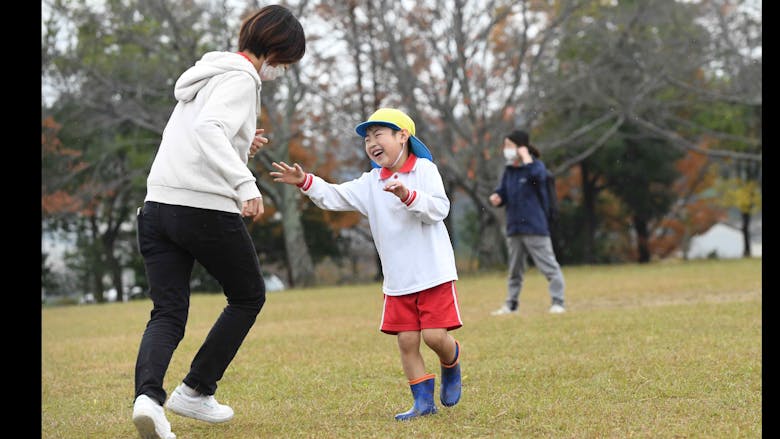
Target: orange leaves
x,y
697,175
59,164
508,114
701,215
50,143
341,220
58,202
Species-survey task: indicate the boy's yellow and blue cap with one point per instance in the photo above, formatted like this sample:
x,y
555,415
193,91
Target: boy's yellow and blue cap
x,y
397,120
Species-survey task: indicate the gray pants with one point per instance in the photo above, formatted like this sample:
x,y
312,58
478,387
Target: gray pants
x,y
541,250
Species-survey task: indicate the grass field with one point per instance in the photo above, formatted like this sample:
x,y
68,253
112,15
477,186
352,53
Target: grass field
x,y
663,350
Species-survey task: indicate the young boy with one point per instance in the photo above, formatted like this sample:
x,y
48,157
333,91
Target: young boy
x,y
404,200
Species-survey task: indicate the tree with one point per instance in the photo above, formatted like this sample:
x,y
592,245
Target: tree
x,y
113,84
611,75
744,193
304,116
694,211
577,73
458,69
640,172
583,77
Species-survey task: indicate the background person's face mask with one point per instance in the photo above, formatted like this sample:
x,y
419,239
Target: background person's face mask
x,y
510,154
269,72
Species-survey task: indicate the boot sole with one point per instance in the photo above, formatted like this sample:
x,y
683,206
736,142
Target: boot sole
x,y
409,417
145,426
450,404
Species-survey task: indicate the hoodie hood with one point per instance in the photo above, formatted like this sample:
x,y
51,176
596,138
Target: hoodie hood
x,y
210,65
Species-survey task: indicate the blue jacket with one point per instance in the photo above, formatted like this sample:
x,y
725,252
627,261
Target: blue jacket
x,y
520,190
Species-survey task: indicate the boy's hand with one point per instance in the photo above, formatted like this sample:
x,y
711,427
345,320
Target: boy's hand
x,y
397,188
257,142
288,174
495,199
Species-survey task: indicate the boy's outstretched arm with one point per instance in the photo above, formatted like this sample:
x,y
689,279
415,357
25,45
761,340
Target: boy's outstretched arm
x,y
288,174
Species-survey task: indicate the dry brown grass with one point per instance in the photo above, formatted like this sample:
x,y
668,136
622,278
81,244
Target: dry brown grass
x,y
665,350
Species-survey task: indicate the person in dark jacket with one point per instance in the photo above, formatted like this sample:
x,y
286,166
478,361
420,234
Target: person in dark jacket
x,y
522,193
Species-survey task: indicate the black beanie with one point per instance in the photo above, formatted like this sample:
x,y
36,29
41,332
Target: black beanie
x,y
521,138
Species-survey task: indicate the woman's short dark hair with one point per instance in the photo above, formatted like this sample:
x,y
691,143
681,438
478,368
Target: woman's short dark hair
x,y
275,33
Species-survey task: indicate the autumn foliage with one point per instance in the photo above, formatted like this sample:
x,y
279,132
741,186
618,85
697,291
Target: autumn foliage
x,y
697,208
56,156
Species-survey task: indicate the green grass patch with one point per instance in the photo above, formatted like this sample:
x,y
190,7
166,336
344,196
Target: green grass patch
x,y
662,350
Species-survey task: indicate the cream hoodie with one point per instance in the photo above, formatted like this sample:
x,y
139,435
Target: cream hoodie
x,y
204,150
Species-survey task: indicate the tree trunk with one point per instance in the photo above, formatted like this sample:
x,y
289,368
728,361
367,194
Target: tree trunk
x,y
300,268
640,225
685,244
589,208
96,273
113,265
491,248
746,252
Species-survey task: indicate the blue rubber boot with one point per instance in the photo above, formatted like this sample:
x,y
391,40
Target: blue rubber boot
x,y
422,391
450,380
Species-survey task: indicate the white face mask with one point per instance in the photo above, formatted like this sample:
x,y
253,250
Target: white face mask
x,y
510,154
269,73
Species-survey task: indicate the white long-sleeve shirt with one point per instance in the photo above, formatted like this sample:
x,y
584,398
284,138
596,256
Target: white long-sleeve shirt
x,y
410,237
202,157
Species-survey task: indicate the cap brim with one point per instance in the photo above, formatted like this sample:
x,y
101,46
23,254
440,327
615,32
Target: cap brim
x,y
361,129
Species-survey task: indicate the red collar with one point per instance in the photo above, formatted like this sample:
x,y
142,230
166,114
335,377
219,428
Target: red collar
x,y
244,55
386,173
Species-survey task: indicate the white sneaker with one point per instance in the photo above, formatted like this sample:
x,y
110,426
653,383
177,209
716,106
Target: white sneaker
x,y
202,407
149,419
557,309
503,310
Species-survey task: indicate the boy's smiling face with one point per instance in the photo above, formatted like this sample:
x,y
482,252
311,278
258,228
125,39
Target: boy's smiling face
x,y
384,145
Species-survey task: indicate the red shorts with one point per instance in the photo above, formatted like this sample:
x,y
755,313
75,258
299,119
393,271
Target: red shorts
x,y
436,307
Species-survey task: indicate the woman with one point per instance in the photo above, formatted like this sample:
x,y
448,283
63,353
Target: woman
x,y
198,189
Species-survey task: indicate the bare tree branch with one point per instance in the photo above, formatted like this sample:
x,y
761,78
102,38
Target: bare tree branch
x,y
591,149
683,144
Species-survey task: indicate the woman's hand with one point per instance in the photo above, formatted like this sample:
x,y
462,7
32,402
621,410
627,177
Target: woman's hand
x,y
257,142
253,208
525,155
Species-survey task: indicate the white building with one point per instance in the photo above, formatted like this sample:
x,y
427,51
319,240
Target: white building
x,y
723,241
